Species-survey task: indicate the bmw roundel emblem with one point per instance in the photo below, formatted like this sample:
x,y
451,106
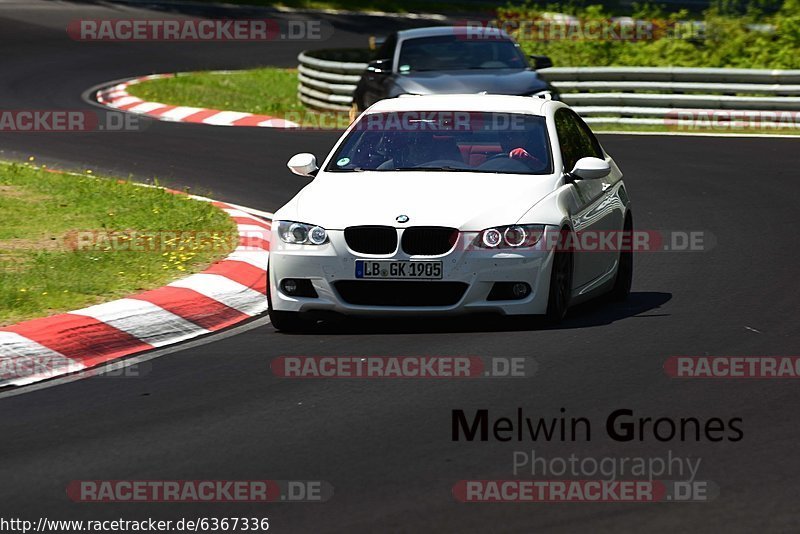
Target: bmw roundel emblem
x,y
402,218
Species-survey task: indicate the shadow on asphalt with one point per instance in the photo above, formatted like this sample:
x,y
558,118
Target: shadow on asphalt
x,y
597,312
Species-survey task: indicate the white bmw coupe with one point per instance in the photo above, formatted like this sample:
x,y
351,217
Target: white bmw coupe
x,y
445,204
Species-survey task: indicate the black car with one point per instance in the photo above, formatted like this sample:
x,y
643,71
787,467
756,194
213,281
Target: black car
x,y
451,59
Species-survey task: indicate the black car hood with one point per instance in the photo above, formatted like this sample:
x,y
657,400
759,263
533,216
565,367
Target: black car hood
x,y
494,81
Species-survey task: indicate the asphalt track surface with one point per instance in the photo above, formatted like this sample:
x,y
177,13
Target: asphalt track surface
x,y
216,411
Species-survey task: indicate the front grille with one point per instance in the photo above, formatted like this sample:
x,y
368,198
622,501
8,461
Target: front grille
x,y
400,293
371,239
429,240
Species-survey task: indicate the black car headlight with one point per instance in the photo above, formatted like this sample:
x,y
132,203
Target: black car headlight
x,y
298,233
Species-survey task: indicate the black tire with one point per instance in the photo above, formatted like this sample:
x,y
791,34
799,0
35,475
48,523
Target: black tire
x,y
624,277
560,282
284,321
288,321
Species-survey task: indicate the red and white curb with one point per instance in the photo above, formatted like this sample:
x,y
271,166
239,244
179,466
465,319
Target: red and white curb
x,y
230,291
117,97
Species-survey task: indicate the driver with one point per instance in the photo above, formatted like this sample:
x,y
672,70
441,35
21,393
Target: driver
x,y
516,145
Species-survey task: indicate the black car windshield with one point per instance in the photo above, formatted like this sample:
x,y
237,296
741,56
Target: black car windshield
x,y
451,141
457,52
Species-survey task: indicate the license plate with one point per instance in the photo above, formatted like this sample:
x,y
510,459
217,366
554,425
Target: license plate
x,y
399,270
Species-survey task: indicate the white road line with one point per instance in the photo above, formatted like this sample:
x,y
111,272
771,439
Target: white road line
x,y
253,230
143,320
222,289
256,258
225,118
266,214
180,113
147,107
235,212
124,101
24,361
278,123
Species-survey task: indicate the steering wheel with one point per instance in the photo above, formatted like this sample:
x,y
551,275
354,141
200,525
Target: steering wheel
x,y
504,155
503,163
497,156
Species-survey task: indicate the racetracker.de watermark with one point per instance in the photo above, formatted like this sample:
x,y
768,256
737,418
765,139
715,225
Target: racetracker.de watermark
x,y
436,367
198,30
16,369
202,491
166,241
560,491
550,238
570,28
733,366
410,121
64,120
626,241
730,119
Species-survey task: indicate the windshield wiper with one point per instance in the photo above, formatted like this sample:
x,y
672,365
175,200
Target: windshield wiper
x,y
443,168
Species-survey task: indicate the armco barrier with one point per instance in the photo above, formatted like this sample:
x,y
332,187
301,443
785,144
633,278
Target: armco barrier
x,y
627,95
328,78
646,95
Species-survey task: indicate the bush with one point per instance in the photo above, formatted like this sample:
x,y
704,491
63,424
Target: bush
x,y
728,36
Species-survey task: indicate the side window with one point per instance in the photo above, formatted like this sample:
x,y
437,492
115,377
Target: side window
x,y
567,138
590,141
575,138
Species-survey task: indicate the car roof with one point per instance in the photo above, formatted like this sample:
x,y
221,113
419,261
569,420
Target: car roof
x,y
469,102
435,31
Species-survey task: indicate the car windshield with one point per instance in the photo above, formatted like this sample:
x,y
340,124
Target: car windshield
x,y
514,143
454,52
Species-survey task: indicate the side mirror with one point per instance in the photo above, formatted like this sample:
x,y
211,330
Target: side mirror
x,y
303,164
380,66
541,62
590,169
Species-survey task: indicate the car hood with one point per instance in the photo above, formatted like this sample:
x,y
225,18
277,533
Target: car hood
x,y
468,201
494,81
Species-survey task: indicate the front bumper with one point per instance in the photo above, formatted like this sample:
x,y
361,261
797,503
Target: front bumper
x,y
477,269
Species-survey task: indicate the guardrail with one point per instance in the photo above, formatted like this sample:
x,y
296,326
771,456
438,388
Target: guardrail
x,y
328,78
626,95
648,95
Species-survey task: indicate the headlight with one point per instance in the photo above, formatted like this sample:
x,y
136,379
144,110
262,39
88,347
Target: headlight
x,y
547,95
317,235
301,234
513,236
491,238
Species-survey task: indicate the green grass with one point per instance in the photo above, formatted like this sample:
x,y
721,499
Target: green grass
x,y
264,91
42,272
267,91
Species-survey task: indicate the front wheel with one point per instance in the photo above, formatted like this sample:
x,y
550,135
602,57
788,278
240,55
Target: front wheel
x,y
288,321
282,320
624,278
560,282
